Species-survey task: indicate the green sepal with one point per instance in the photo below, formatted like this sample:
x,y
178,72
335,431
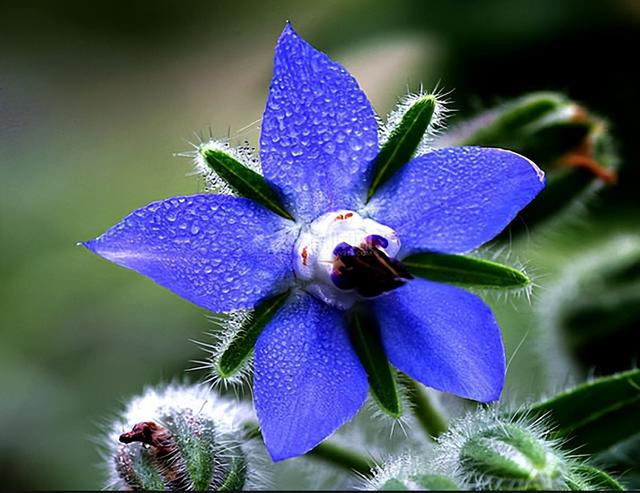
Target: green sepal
x,y
511,455
595,415
588,478
403,141
196,451
241,347
235,475
393,484
420,482
138,469
465,271
434,482
243,180
365,335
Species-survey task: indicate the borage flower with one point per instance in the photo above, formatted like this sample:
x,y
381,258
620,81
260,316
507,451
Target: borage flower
x,y
341,219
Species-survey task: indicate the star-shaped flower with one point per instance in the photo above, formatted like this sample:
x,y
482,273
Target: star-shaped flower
x,y
318,148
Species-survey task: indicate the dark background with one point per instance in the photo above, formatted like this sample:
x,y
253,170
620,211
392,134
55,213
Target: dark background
x,y
95,97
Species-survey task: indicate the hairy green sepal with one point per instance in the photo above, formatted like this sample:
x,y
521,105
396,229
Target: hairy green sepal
x,y
509,455
403,141
365,334
465,271
241,347
243,180
585,477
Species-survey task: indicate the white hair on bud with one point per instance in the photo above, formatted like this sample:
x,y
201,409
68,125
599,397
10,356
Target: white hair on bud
x,y
444,458
399,468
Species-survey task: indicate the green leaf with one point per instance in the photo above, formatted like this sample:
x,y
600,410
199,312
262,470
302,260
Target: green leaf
x,y
465,271
434,482
365,334
595,415
243,180
403,141
242,345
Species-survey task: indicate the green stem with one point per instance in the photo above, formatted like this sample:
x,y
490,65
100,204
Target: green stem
x,y
328,452
342,457
431,420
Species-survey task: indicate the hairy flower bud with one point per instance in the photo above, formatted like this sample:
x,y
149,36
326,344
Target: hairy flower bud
x,y
512,455
182,438
571,144
487,451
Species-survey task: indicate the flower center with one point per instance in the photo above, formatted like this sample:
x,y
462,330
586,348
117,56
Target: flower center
x,y
342,257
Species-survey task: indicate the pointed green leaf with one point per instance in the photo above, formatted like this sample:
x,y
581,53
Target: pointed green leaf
x,y
242,345
243,180
365,334
465,271
597,414
403,141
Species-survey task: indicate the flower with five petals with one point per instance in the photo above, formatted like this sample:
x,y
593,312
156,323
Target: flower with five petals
x,y
318,143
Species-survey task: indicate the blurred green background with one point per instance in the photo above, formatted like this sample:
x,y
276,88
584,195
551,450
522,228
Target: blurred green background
x,y
95,97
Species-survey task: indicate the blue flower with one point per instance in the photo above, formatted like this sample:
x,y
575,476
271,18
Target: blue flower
x,y
319,138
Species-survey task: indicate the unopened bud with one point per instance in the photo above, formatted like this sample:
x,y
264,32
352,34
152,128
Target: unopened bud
x,y
183,438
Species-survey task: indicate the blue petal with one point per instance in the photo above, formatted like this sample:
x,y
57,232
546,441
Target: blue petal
x,y
308,380
444,337
455,199
319,132
220,252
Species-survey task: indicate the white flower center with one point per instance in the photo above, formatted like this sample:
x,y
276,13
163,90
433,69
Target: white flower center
x,y
330,238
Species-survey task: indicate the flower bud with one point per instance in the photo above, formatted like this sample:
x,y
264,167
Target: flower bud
x,y
508,454
409,472
182,438
567,141
485,450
